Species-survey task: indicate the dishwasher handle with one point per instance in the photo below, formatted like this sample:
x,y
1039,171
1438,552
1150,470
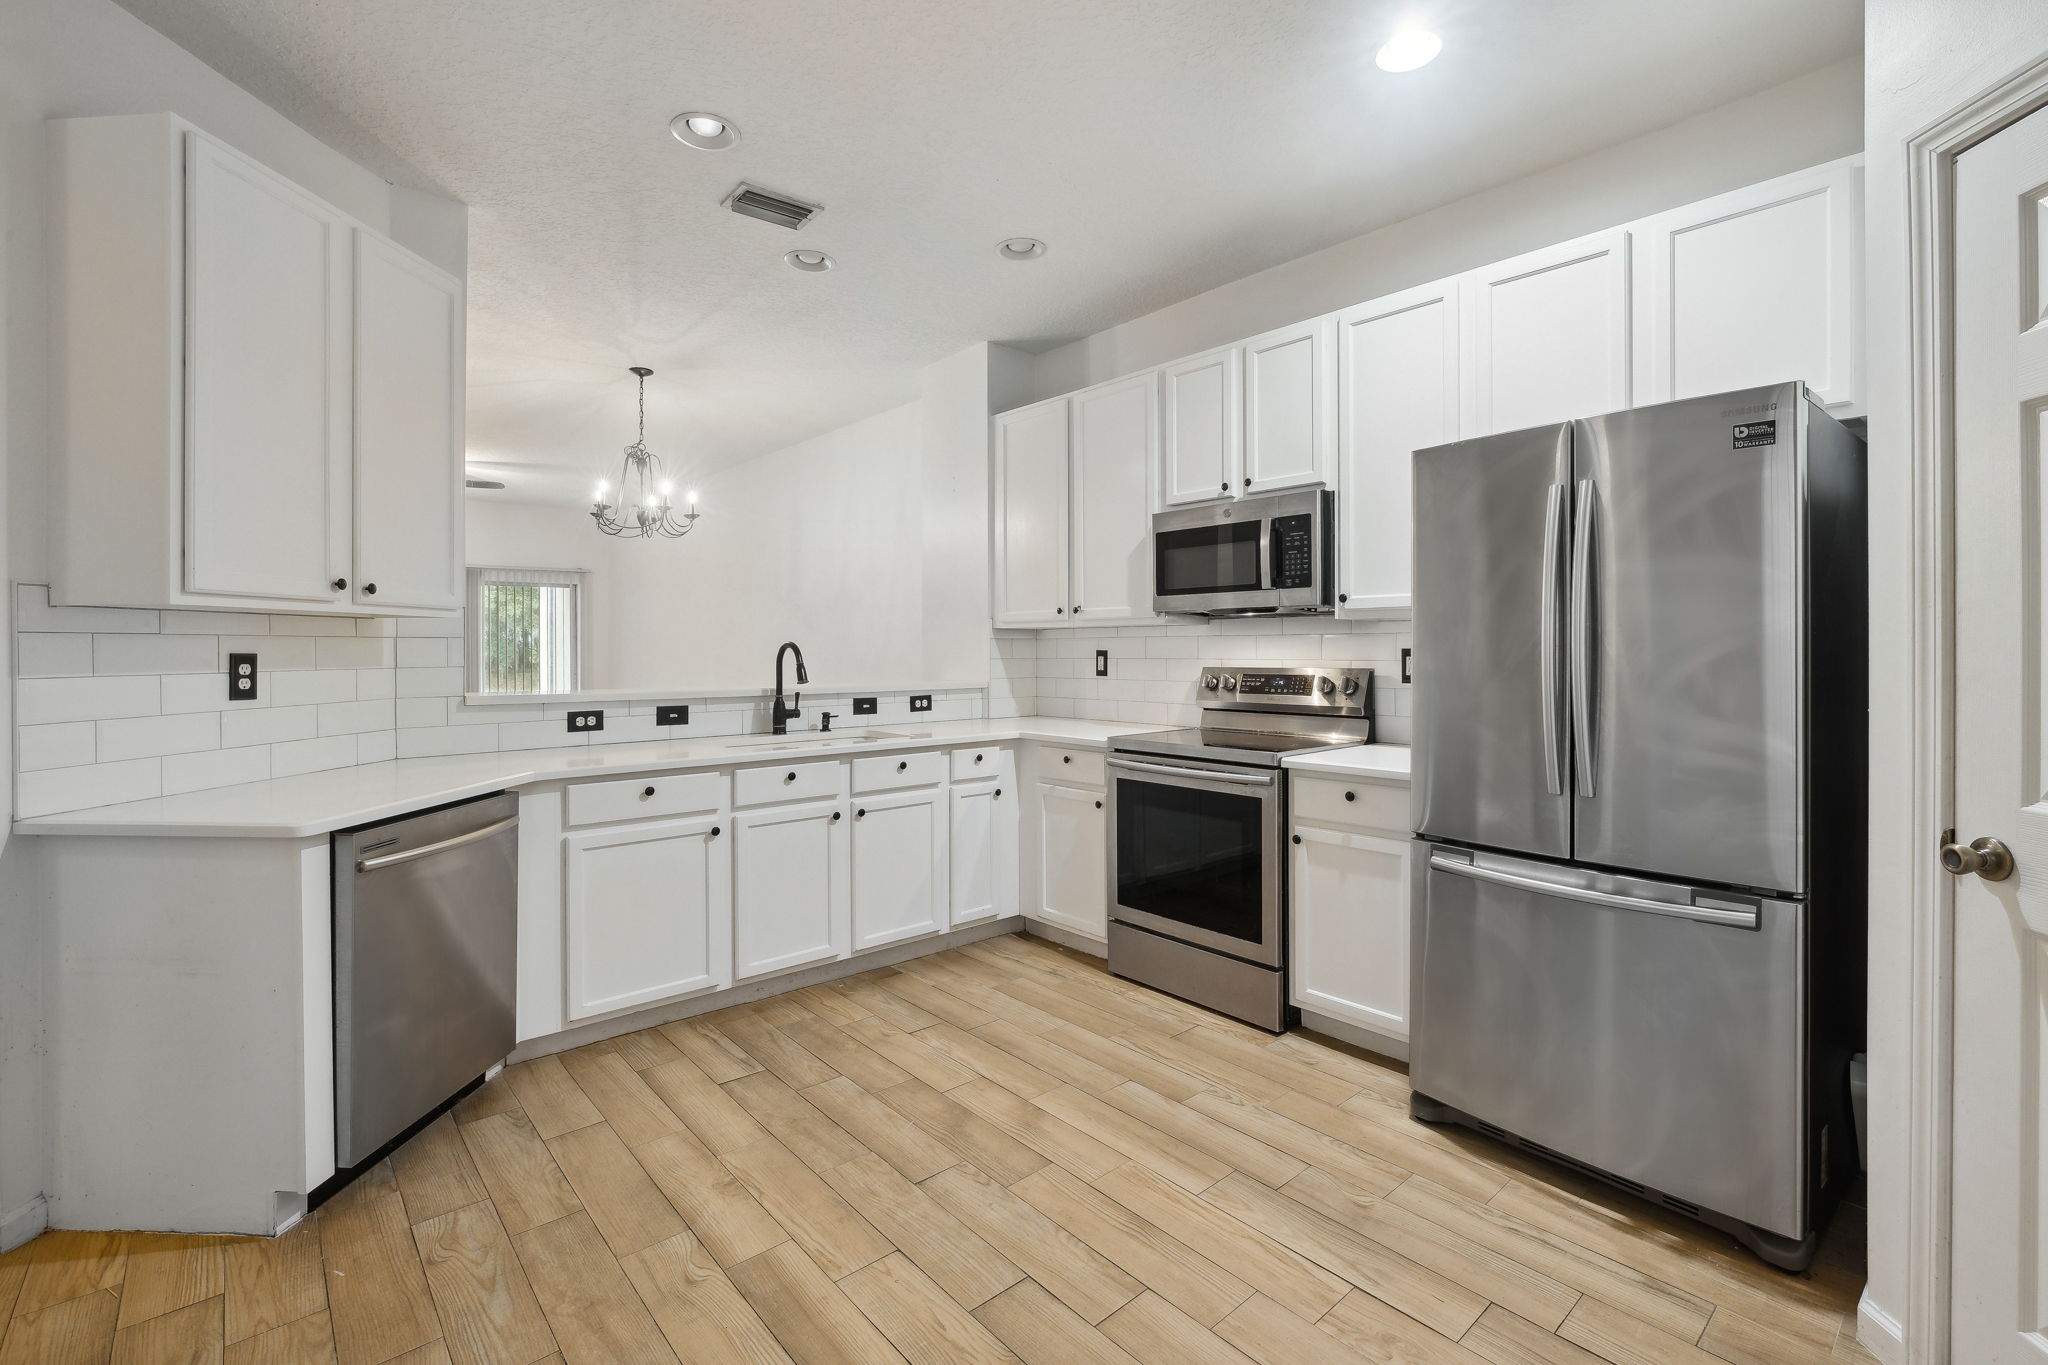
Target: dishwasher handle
x,y
442,846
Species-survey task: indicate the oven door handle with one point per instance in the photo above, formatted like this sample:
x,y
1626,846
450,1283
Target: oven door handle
x,y
1168,770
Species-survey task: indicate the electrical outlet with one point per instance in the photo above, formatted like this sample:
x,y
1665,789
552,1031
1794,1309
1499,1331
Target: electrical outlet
x,y
583,722
242,677
864,706
1407,666
921,702
671,715
1101,663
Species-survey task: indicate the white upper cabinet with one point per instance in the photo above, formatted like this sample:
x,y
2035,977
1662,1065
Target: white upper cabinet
x,y
408,429
1115,437
1290,407
1547,336
1030,582
266,382
256,400
1202,424
1754,287
1397,361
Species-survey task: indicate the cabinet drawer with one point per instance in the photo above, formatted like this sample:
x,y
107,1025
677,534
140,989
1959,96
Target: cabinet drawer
x,y
984,761
1070,765
788,782
635,798
883,772
1369,805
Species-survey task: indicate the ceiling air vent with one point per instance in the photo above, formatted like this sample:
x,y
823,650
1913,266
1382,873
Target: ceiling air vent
x,y
778,209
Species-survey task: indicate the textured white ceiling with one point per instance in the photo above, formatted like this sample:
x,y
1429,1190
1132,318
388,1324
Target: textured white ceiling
x,y
1162,147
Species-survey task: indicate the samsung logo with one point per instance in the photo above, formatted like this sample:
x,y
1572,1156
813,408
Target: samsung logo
x,y
1750,410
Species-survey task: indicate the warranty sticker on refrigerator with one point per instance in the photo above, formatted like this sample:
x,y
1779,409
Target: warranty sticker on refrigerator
x,y
1748,434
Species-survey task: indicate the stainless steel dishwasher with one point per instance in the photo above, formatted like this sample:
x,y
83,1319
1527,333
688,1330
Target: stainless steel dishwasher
x,y
425,945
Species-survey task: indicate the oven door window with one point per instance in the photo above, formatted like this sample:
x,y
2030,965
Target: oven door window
x,y
1191,856
1206,559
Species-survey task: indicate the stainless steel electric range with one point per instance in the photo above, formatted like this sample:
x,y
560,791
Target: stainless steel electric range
x,y
1198,829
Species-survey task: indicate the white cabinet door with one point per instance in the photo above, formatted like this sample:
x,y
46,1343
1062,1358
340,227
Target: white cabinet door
x,y
1116,449
1202,426
899,866
790,897
408,429
1754,287
1348,913
267,383
1547,336
1398,393
1290,406
1031,515
1073,881
648,914
983,851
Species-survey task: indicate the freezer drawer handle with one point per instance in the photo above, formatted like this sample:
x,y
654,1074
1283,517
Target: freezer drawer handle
x,y
1738,919
428,850
1168,770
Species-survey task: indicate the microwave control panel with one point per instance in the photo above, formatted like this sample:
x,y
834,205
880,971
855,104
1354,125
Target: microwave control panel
x,y
1294,551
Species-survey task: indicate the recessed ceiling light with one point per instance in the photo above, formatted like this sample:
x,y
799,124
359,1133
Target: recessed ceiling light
x,y
712,132
1409,49
1020,249
816,262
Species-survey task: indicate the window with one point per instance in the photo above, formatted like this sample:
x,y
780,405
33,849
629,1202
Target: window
x,y
525,630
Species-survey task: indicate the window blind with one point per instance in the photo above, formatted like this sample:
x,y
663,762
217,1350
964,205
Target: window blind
x,y
524,629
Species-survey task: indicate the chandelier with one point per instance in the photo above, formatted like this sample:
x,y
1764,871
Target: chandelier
x,y
643,492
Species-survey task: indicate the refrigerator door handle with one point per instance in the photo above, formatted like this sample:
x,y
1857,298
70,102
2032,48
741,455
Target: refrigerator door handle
x,y
1732,916
1584,700
1551,659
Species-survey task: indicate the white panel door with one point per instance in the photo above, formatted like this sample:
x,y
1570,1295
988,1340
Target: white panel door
x,y
983,851
1116,450
899,866
408,429
790,896
1547,336
1397,364
1031,515
1290,406
1999,1242
267,383
1348,912
648,912
1753,288
1073,881
1201,409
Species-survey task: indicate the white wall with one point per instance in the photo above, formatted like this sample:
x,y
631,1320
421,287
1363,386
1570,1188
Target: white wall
x,y
1924,58
1801,123
83,57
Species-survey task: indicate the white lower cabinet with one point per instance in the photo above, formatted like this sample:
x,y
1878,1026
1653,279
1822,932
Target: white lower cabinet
x,y
648,911
1073,859
983,851
1348,917
792,899
899,866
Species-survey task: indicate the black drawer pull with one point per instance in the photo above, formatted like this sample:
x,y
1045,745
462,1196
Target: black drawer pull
x,y
1098,805
979,757
648,792
789,777
835,816
714,831
1297,838
340,583
1350,796
1066,758
904,765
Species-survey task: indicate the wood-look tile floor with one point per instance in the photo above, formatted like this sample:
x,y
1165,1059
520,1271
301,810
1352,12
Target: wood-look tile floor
x,y
998,1153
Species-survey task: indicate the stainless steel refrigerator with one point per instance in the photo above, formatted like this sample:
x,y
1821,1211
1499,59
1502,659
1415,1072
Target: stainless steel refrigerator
x,y
1639,800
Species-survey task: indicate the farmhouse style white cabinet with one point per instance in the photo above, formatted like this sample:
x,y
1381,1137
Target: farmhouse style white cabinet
x,y
1202,418
982,841
1031,535
1071,879
647,910
256,400
792,899
900,889
1290,407
1546,335
1348,903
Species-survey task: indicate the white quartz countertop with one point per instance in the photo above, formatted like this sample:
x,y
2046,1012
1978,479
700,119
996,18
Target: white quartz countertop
x,y
318,803
1384,761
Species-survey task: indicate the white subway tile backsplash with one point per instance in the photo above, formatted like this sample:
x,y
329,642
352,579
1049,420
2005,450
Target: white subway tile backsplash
x,y
376,746
273,653
41,701
53,656
429,682
447,739
33,612
206,692
376,625
421,712
153,654
374,683
214,623
215,768
313,625
312,755
273,725
354,651
69,745
101,784
355,717
302,687
429,652
152,736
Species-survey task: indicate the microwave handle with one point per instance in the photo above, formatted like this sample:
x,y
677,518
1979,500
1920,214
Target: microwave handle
x,y
1265,554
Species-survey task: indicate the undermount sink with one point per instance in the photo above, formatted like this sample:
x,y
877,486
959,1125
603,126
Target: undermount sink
x,y
817,739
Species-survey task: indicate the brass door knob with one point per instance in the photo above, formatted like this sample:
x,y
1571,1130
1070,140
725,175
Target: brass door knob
x,y
1987,857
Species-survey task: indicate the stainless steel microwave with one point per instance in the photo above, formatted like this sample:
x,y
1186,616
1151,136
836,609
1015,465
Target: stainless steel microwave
x,y
1275,552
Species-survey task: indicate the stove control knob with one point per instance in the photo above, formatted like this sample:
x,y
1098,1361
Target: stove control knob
x,y
1209,681
1326,686
1350,686
1230,682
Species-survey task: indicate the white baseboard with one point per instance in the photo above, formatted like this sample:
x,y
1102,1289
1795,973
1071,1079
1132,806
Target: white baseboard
x,y
1879,1332
1068,938
24,1223
1384,1044
757,990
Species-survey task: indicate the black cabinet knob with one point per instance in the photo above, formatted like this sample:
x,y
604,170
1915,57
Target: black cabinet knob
x,y
1059,611
979,757
1247,483
1077,609
861,814
1066,758
340,584
1350,796
1223,487
714,831
900,767
1098,805
369,589
1343,597
835,816
1297,838
647,792
999,793
789,777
